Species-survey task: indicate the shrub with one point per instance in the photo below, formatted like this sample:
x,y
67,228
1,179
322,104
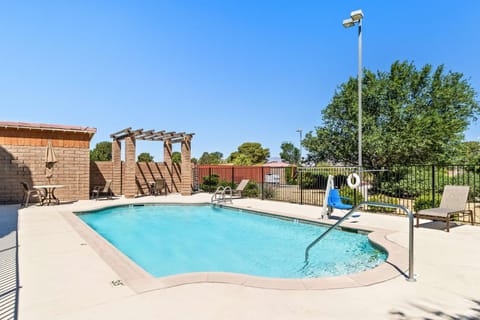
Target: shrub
x,y
291,175
349,193
268,192
210,183
382,199
311,180
226,183
251,190
425,202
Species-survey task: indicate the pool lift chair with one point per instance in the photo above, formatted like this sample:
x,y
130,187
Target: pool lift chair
x,y
334,200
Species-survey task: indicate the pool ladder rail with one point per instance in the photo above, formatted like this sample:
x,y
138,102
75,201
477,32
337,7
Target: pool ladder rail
x,y
222,194
411,275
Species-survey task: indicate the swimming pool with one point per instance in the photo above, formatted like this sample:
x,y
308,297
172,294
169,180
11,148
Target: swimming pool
x,y
175,239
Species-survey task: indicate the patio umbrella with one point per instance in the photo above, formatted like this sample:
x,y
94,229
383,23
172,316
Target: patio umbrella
x,y
50,160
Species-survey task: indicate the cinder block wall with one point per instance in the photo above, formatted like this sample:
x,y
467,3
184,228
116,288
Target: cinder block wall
x,y
100,172
145,173
22,158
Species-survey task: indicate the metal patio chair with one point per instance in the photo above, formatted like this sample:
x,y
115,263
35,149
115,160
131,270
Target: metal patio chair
x,y
105,190
454,200
29,193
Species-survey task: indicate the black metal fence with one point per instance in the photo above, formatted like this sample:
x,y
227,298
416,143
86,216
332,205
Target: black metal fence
x,y
415,187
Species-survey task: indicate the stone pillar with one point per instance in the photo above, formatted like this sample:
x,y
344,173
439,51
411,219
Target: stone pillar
x,y
186,183
129,184
116,167
167,159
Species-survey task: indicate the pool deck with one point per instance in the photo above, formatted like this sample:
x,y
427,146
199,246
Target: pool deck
x,y
62,276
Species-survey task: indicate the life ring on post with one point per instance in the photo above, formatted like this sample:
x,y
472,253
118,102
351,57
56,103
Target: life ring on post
x,y
355,184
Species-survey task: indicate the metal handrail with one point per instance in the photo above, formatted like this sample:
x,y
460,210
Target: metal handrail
x,y
375,204
221,191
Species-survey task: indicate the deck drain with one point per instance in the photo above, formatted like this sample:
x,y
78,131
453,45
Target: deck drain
x,y
83,244
116,283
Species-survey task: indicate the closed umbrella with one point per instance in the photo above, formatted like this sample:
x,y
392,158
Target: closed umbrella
x,y
50,160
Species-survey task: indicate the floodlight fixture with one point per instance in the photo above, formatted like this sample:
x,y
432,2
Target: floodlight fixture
x,y
356,15
347,23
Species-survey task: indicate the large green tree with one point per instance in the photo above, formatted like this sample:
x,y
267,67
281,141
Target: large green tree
x,y
289,153
410,115
211,158
145,157
471,153
249,153
177,157
102,151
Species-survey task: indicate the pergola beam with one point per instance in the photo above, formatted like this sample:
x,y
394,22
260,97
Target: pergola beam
x,y
151,135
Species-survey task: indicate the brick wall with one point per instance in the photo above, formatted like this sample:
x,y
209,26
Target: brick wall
x,y
22,158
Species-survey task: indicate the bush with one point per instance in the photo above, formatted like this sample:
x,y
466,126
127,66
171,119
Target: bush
x,y
268,192
349,193
311,180
382,199
210,183
291,175
414,181
425,202
226,183
251,190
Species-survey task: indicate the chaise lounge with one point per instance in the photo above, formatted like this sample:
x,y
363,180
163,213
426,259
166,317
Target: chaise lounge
x,y
453,203
103,190
237,192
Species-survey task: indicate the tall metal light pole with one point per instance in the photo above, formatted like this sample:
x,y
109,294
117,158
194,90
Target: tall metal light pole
x,y
300,131
357,17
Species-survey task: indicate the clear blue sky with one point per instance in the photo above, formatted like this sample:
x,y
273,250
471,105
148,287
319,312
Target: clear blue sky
x,y
230,71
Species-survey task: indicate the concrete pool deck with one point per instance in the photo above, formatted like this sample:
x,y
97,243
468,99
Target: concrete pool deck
x,y
62,277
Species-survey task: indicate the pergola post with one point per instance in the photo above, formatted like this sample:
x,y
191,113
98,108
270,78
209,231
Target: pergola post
x,y
116,167
167,159
129,184
186,184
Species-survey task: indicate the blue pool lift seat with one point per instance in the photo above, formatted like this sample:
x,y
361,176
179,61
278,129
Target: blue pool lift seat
x,y
335,201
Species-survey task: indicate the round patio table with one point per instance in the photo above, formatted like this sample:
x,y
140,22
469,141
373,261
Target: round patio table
x,y
49,190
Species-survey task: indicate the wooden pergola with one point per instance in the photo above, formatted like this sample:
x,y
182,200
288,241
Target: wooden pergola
x,y
127,186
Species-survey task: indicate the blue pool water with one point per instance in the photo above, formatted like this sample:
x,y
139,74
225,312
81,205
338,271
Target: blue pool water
x,y
174,239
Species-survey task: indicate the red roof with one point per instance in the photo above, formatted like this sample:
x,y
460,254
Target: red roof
x,y
44,126
276,164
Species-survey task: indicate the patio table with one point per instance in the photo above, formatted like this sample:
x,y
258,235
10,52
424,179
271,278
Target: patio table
x,y
49,190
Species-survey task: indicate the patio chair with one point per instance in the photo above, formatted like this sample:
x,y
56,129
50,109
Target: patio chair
x,y
453,203
105,190
237,192
159,186
29,193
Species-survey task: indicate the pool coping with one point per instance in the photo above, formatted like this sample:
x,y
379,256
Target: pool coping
x,y
141,281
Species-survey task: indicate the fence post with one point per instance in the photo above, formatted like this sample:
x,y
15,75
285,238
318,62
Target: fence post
x,y
263,182
433,186
233,176
301,187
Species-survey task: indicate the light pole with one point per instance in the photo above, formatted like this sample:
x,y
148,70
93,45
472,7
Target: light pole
x,y
357,17
300,131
